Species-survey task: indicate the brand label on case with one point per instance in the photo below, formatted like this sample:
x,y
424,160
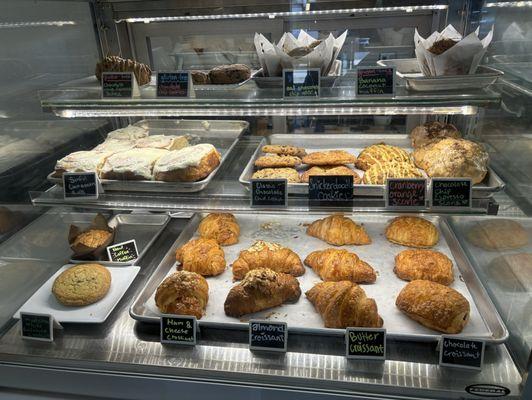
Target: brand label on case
x,y
118,85
270,336
406,193
487,390
123,252
37,326
301,82
178,329
80,185
461,353
367,343
451,192
330,190
269,192
173,84
375,81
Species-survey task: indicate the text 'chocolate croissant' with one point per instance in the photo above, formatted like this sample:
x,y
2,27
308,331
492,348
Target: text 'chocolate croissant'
x,y
340,265
338,230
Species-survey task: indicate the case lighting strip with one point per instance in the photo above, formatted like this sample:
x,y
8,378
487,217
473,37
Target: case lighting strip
x,y
24,24
510,4
272,15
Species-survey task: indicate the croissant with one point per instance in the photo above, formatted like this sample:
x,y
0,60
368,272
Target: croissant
x,y
203,256
118,64
267,255
183,293
221,227
261,289
344,304
340,265
338,230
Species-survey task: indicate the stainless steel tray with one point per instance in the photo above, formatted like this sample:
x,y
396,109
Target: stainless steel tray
x,y
220,133
46,238
276,82
354,143
229,86
408,69
301,317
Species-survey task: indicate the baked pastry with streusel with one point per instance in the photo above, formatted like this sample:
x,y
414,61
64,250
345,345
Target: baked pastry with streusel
x,y
431,132
381,153
379,172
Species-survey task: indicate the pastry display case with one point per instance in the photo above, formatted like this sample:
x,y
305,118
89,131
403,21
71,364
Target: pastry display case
x,y
283,199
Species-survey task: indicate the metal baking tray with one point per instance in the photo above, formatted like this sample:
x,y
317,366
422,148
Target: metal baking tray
x,y
408,69
301,316
221,86
221,134
46,238
276,82
354,143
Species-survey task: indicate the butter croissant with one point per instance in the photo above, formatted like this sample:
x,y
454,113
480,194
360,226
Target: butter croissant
x,y
267,255
221,227
183,293
344,304
338,230
203,256
261,289
340,265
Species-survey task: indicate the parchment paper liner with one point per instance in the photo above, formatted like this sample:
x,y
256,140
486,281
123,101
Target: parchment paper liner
x,y
89,253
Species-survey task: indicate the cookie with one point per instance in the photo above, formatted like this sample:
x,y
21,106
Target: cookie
x,y
330,157
284,150
330,170
290,174
82,285
276,161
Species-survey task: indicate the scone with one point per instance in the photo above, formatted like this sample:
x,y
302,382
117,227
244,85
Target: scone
x,y
136,164
285,150
228,74
432,131
412,232
290,174
429,265
330,170
277,161
378,173
93,238
512,272
81,161
380,153
162,142
190,164
202,256
82,285
330,157
130,132
183,293
498,234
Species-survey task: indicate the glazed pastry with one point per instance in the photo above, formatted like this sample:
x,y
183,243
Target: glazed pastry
x,y
498,234
431,132
344,304
93,238
380,154
221,227
512,272
162,142
113,146
412,232
277,161
190,164
455,158
267,255
118,64
203,256
290,174
429,265
136,164
378,173
183,293
330,157
200,77
435,306
130,132
284,150
330,170
340,265
82,285
338,230
259,290
441,46
81,161
228,74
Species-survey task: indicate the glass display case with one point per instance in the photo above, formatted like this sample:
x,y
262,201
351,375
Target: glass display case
x,y
364,218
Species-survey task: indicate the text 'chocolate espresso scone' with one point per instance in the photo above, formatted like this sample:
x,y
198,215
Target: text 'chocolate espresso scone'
x,y
203,256
431,132
183,293
430,265
118,64
222,227
338,231
82,285
412,232
380,153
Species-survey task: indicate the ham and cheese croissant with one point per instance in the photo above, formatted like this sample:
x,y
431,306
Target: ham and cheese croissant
x,y
267,255
183,293
338,230
203,256
261,289
221,227
344,304
340,265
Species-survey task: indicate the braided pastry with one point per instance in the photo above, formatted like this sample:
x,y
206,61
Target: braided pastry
x,y
379,172
118,64
380,153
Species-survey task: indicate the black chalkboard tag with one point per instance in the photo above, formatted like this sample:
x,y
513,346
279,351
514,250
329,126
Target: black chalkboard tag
x,y
451,192
375,81
178,329
37,326
406,193
81,185
301,82
461,353
269,192
269,336
174,84
366,343
119,85
123,252
330,191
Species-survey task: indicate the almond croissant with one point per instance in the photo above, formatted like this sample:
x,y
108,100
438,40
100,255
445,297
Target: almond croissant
x,y
344,304
338,230
267,255
261,289
203,256
340,265
183,293
221,227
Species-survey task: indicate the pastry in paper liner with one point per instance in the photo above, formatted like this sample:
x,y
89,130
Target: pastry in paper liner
x,y
84,252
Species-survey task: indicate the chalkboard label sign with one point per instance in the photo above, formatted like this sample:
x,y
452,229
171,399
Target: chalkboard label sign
x,y
270,336
451,192
367,343
178,329
301,82
375,81
123,252
269,192
37,326
173,84
462,353
80,185
118,85
330,190
406,193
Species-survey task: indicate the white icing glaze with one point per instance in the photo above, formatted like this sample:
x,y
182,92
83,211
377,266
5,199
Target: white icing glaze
x,y
115,145
184,158
137,161
82,161
163,142
128,133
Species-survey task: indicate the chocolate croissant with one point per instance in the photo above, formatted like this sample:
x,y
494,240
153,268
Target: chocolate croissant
x,y
340,265
261,289
203,256
344,304
118,64
183,293
267,255
338,230
221,227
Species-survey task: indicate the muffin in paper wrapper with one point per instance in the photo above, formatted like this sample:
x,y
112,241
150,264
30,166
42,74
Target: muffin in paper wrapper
x,y
304,51
461,59
83,252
